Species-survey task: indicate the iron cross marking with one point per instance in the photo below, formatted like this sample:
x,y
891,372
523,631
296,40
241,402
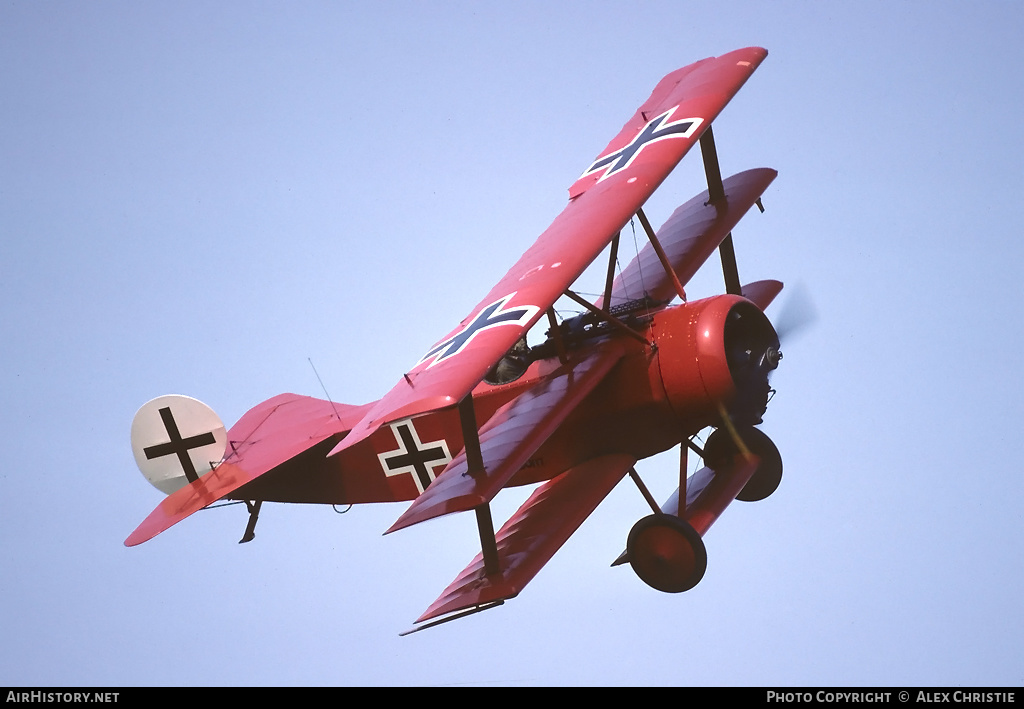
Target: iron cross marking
x,y
413,456
179,446
488,317
655,130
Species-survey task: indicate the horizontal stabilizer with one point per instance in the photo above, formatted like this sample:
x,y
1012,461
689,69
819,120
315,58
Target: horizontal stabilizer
x,y
533,534
213,486
511,436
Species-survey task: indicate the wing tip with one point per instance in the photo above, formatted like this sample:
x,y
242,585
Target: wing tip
x,y
754,51
142,534
487,595
416,514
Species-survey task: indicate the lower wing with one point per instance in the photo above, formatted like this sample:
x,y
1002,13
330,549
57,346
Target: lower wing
x,y
533,534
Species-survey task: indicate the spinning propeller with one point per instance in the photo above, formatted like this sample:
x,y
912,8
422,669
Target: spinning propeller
x,y
797,314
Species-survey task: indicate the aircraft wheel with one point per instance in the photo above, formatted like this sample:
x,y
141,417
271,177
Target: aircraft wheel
x,y
667,553
721,447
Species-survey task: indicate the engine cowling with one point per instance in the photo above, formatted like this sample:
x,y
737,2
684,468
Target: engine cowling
x,y
714,351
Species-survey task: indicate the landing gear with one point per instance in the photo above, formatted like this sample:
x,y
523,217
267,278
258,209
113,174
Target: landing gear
x,y
666,553
666,549
721,447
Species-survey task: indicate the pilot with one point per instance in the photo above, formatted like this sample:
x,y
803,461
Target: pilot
x,y
511,366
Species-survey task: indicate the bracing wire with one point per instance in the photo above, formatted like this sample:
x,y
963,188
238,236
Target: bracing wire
x,y
323,387
639,265
636,247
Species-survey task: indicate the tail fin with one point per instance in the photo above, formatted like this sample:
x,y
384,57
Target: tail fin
x,y
176,440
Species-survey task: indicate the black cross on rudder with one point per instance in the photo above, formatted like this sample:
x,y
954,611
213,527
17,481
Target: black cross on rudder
x,y
179,446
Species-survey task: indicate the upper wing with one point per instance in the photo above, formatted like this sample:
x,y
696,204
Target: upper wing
x,y
601,202
533,534
268,435
511,436
689,236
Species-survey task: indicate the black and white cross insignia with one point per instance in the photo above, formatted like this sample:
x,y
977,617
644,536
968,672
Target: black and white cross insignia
x,y
179,446
655,130
414,457
490,316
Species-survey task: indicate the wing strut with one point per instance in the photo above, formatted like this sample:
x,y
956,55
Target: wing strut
x,y
556,335
613,254
471,436
475,463
681,507
666,264
716,196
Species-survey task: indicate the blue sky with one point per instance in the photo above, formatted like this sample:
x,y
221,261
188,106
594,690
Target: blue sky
x,y
195,198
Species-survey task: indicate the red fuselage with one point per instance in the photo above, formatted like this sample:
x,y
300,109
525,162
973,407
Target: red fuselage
x,y
657,395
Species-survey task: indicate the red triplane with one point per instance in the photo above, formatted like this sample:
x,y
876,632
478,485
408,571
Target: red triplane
x,y
481,410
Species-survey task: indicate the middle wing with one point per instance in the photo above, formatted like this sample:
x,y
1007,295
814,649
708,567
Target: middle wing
x,y
511,436
689,237
602,201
